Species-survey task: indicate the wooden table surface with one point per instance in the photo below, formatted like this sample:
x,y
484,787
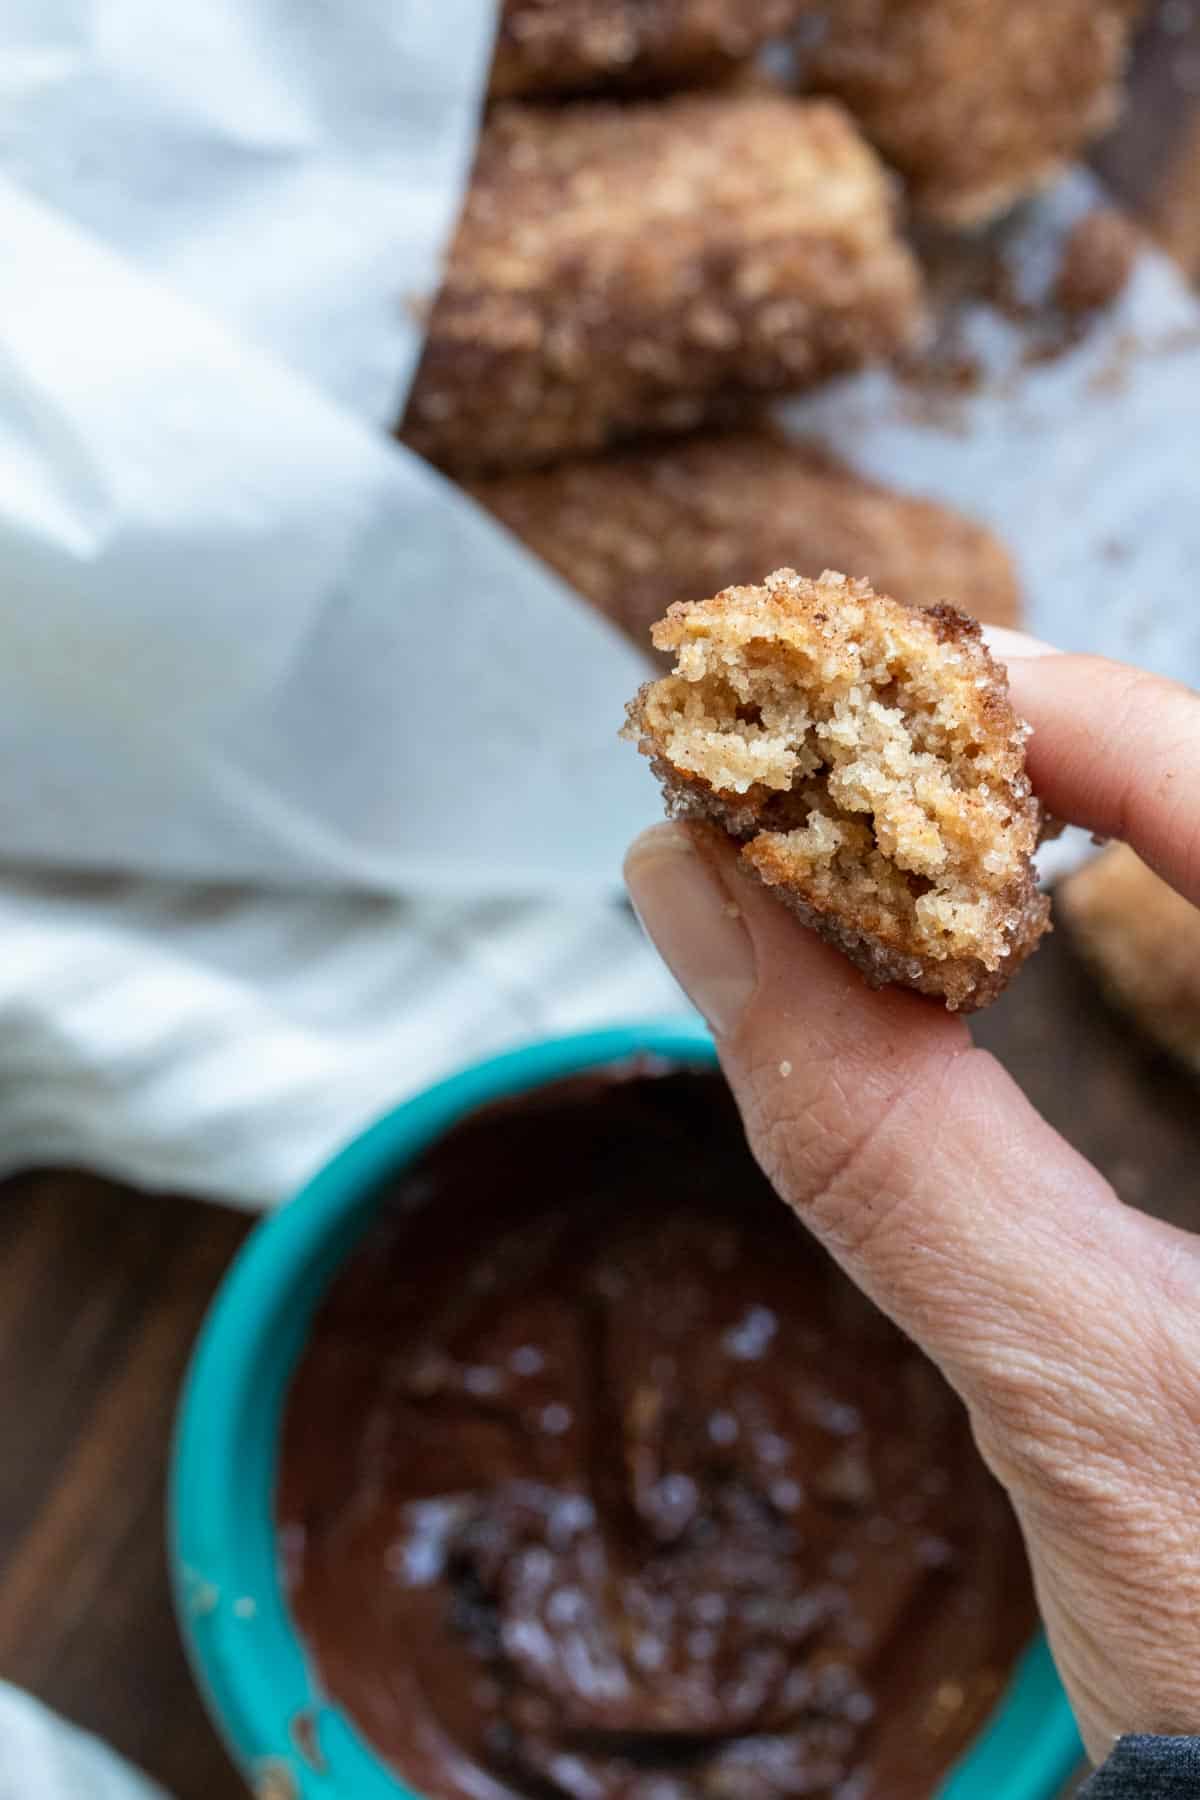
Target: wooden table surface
x,y
102,1288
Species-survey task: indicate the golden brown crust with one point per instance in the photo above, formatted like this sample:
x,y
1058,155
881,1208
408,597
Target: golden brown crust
x,y
638,529
976,102
864,755
1143,941
579,46
624,269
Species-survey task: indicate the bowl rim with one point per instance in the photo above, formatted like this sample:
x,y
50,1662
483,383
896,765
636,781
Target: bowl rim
x,y
248,1661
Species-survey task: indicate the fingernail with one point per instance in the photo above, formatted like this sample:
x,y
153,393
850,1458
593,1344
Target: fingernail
x,y
1012,646
694,924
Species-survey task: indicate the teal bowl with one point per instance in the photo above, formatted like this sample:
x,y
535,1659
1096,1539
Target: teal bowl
x,y
249,1662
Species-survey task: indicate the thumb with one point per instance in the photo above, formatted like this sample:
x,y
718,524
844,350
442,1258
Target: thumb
x,y
910,1153
1065,1320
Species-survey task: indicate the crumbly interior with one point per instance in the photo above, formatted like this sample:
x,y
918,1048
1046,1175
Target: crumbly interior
x,y
867,758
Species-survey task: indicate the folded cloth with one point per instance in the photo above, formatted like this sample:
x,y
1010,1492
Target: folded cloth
x,y
224,1041
44,1758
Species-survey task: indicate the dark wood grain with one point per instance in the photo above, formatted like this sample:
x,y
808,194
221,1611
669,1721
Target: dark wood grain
x,y
101,1292
102,1288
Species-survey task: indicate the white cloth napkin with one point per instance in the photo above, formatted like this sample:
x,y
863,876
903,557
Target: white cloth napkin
x,y
224,1041
44,1758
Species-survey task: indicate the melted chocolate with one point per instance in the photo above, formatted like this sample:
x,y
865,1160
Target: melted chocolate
x,y
600,1482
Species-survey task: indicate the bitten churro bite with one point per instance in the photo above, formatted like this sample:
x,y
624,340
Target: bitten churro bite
x,y
1142,939
866,758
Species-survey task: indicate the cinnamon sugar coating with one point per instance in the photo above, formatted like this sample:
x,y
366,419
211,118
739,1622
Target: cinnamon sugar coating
x,y
865,757
638,529
573,46
626,269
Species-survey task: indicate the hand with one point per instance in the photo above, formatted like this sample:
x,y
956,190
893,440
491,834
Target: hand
x,y
1069,1323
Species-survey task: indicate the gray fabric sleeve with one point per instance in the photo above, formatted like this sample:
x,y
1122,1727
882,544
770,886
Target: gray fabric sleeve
x,y
1148,1768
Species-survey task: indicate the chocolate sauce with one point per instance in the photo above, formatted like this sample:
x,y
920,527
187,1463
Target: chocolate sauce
x,y
600,1482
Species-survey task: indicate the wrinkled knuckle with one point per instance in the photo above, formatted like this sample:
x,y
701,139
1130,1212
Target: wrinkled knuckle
x,y
796,1146
856,1215
873,1187
1172,1342
761,1118
803,1132
780,1154
1072,1442
1038,1451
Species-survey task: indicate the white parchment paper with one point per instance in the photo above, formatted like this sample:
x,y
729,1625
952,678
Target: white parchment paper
x,y
291,169
247,637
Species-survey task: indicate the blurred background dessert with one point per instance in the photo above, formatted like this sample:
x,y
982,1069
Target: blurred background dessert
x,y
624,269
1142,940
679,519
574,46
975,102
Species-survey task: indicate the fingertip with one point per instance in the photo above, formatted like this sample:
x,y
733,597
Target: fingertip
x,y
1116,750
665,838
1007,645
683,900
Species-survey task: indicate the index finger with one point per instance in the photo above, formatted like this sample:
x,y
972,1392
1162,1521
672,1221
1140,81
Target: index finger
x,y
1116,750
